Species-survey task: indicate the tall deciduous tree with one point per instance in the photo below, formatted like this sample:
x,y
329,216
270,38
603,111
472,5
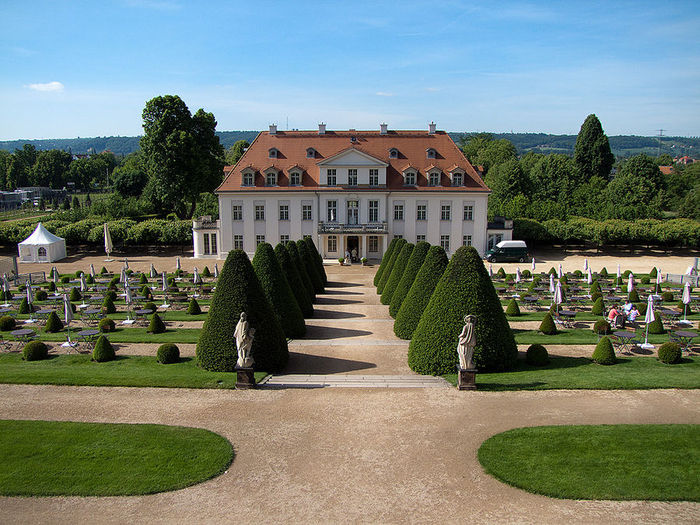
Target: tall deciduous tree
x,y
51,168
592,154
236,151
183,155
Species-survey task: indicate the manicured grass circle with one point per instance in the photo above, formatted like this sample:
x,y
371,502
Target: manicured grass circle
x,y
57,458
609,462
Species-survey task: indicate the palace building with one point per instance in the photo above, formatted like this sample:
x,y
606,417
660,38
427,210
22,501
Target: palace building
x,y
350,191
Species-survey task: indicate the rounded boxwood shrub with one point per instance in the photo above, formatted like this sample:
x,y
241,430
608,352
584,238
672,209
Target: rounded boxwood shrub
x,y
513,310
7,323
239,290
317,258
25,307
75,294
623,288
193,308
547,325
293,251
156,326
385,261
170,281
108,306
604,353
464,288
601,327
35,351
536,355
307,260
168,353
396,273
578,273
103,351
106,325
684,308
206,272
645,279
420,292
633,296
53,323
667,296
41,295
670,353
656,327
294,279
626,274
409,275
277,290
598,307
113,282
526,274
65,279
146,292
400,243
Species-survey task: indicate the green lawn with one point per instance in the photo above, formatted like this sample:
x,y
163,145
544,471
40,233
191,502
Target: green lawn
x,y
57,458
138,371
574,336
609,462
581,373
127,335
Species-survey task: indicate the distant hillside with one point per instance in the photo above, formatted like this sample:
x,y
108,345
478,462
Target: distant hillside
x,y
621,145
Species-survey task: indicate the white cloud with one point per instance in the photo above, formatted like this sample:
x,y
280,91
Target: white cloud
x,y
49,86
384,94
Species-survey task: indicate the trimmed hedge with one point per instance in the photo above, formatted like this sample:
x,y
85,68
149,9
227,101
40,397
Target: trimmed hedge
x,y
106,325
53,323
420,293
513,310
604,354
103,351
547,326
396,273
41,295
238,290
400,243
308,261
385,261
293,251
193,308
409,275
601,327
168,353
156,326
294,279
277,291
464,288
317,258
670,353
536,355
667,296
35,351
7,323
685,308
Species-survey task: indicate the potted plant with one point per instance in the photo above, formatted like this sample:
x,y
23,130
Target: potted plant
x,y
364,261
340,260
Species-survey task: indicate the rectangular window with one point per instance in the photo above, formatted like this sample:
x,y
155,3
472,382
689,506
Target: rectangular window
x,y
398,236
445,242
284,239
352,177
468,212
295,178
237,212
306,212
271,179
445,212
238,242
259,212
332,215
420,238
373,211
434,179
467,240
410,179
373,177
332,244
212,239
421,212
456,179
206,244
259,239
373,244
330,177
398,212
284,212
247,179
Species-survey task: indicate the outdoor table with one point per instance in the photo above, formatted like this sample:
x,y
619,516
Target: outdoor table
x,y
625,340
44,313
567,317
612,298
101,288
684,338
6,310
97,298
92,314
531,301
23,335
88,337
670,316
141,313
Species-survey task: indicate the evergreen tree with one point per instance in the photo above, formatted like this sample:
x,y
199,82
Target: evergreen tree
x,y
385,260
317,257
397,273
592,154
308,261
390,265
465,288
277,290
301,268
294,279
409,275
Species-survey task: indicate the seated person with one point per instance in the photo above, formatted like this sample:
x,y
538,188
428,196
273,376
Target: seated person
x,y
627,307
633,314
613,313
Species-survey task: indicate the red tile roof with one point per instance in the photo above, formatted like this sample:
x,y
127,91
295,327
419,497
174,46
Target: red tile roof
x,y
411,145
666,170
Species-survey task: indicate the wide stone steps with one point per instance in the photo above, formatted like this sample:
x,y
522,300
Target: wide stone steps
x,y
352,381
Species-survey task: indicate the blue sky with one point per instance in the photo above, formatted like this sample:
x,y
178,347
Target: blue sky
x,y
73,68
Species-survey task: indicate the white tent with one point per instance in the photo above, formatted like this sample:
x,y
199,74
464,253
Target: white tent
x,y
42,246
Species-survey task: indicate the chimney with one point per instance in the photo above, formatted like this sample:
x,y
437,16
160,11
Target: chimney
x,y
431,128
321,128
273,129
382,129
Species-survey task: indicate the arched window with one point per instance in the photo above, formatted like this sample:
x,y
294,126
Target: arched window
x,y
42,252
272,153
310,153
393,153
431,153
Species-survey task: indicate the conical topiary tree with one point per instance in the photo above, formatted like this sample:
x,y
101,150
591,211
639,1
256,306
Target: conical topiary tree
x,y
604,272
653,273
156,326
301,268
513,310
409,275
390,265
308,261
103,351
465,288
193,308
385,260
633,296
53,323
294,279
604,353
598,307
397,273
108,305
206,272
317,257
657,327
595,287
547,326
277,291
75,294
421,290
238,290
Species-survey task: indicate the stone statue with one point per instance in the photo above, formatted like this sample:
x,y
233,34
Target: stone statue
x,y
244,342
466,343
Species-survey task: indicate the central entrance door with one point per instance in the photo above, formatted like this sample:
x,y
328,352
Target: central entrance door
x,y
353,246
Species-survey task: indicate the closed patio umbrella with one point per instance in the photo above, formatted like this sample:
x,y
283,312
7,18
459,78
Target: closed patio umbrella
x,y
216,271
83,284
67,318
165,289
55,277
122,276
196,278
557,296
6,288
178,266
108,242
153,271
589,277
551,283
92,270
618,271
518,275
648,319
30,293
533,264
490,271
585,265
686,300
126,263
630,283
127,299
560,271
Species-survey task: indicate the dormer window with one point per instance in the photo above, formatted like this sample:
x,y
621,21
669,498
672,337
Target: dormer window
x,y
247,178
409,178
271,178
434,178
310,153
294,178
431,153
272,153
457,178
393,153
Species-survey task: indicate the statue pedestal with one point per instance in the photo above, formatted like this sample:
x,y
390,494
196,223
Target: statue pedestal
x,y
466,378
245,378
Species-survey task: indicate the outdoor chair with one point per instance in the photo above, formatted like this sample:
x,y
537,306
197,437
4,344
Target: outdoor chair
x,y
5,346
619,321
